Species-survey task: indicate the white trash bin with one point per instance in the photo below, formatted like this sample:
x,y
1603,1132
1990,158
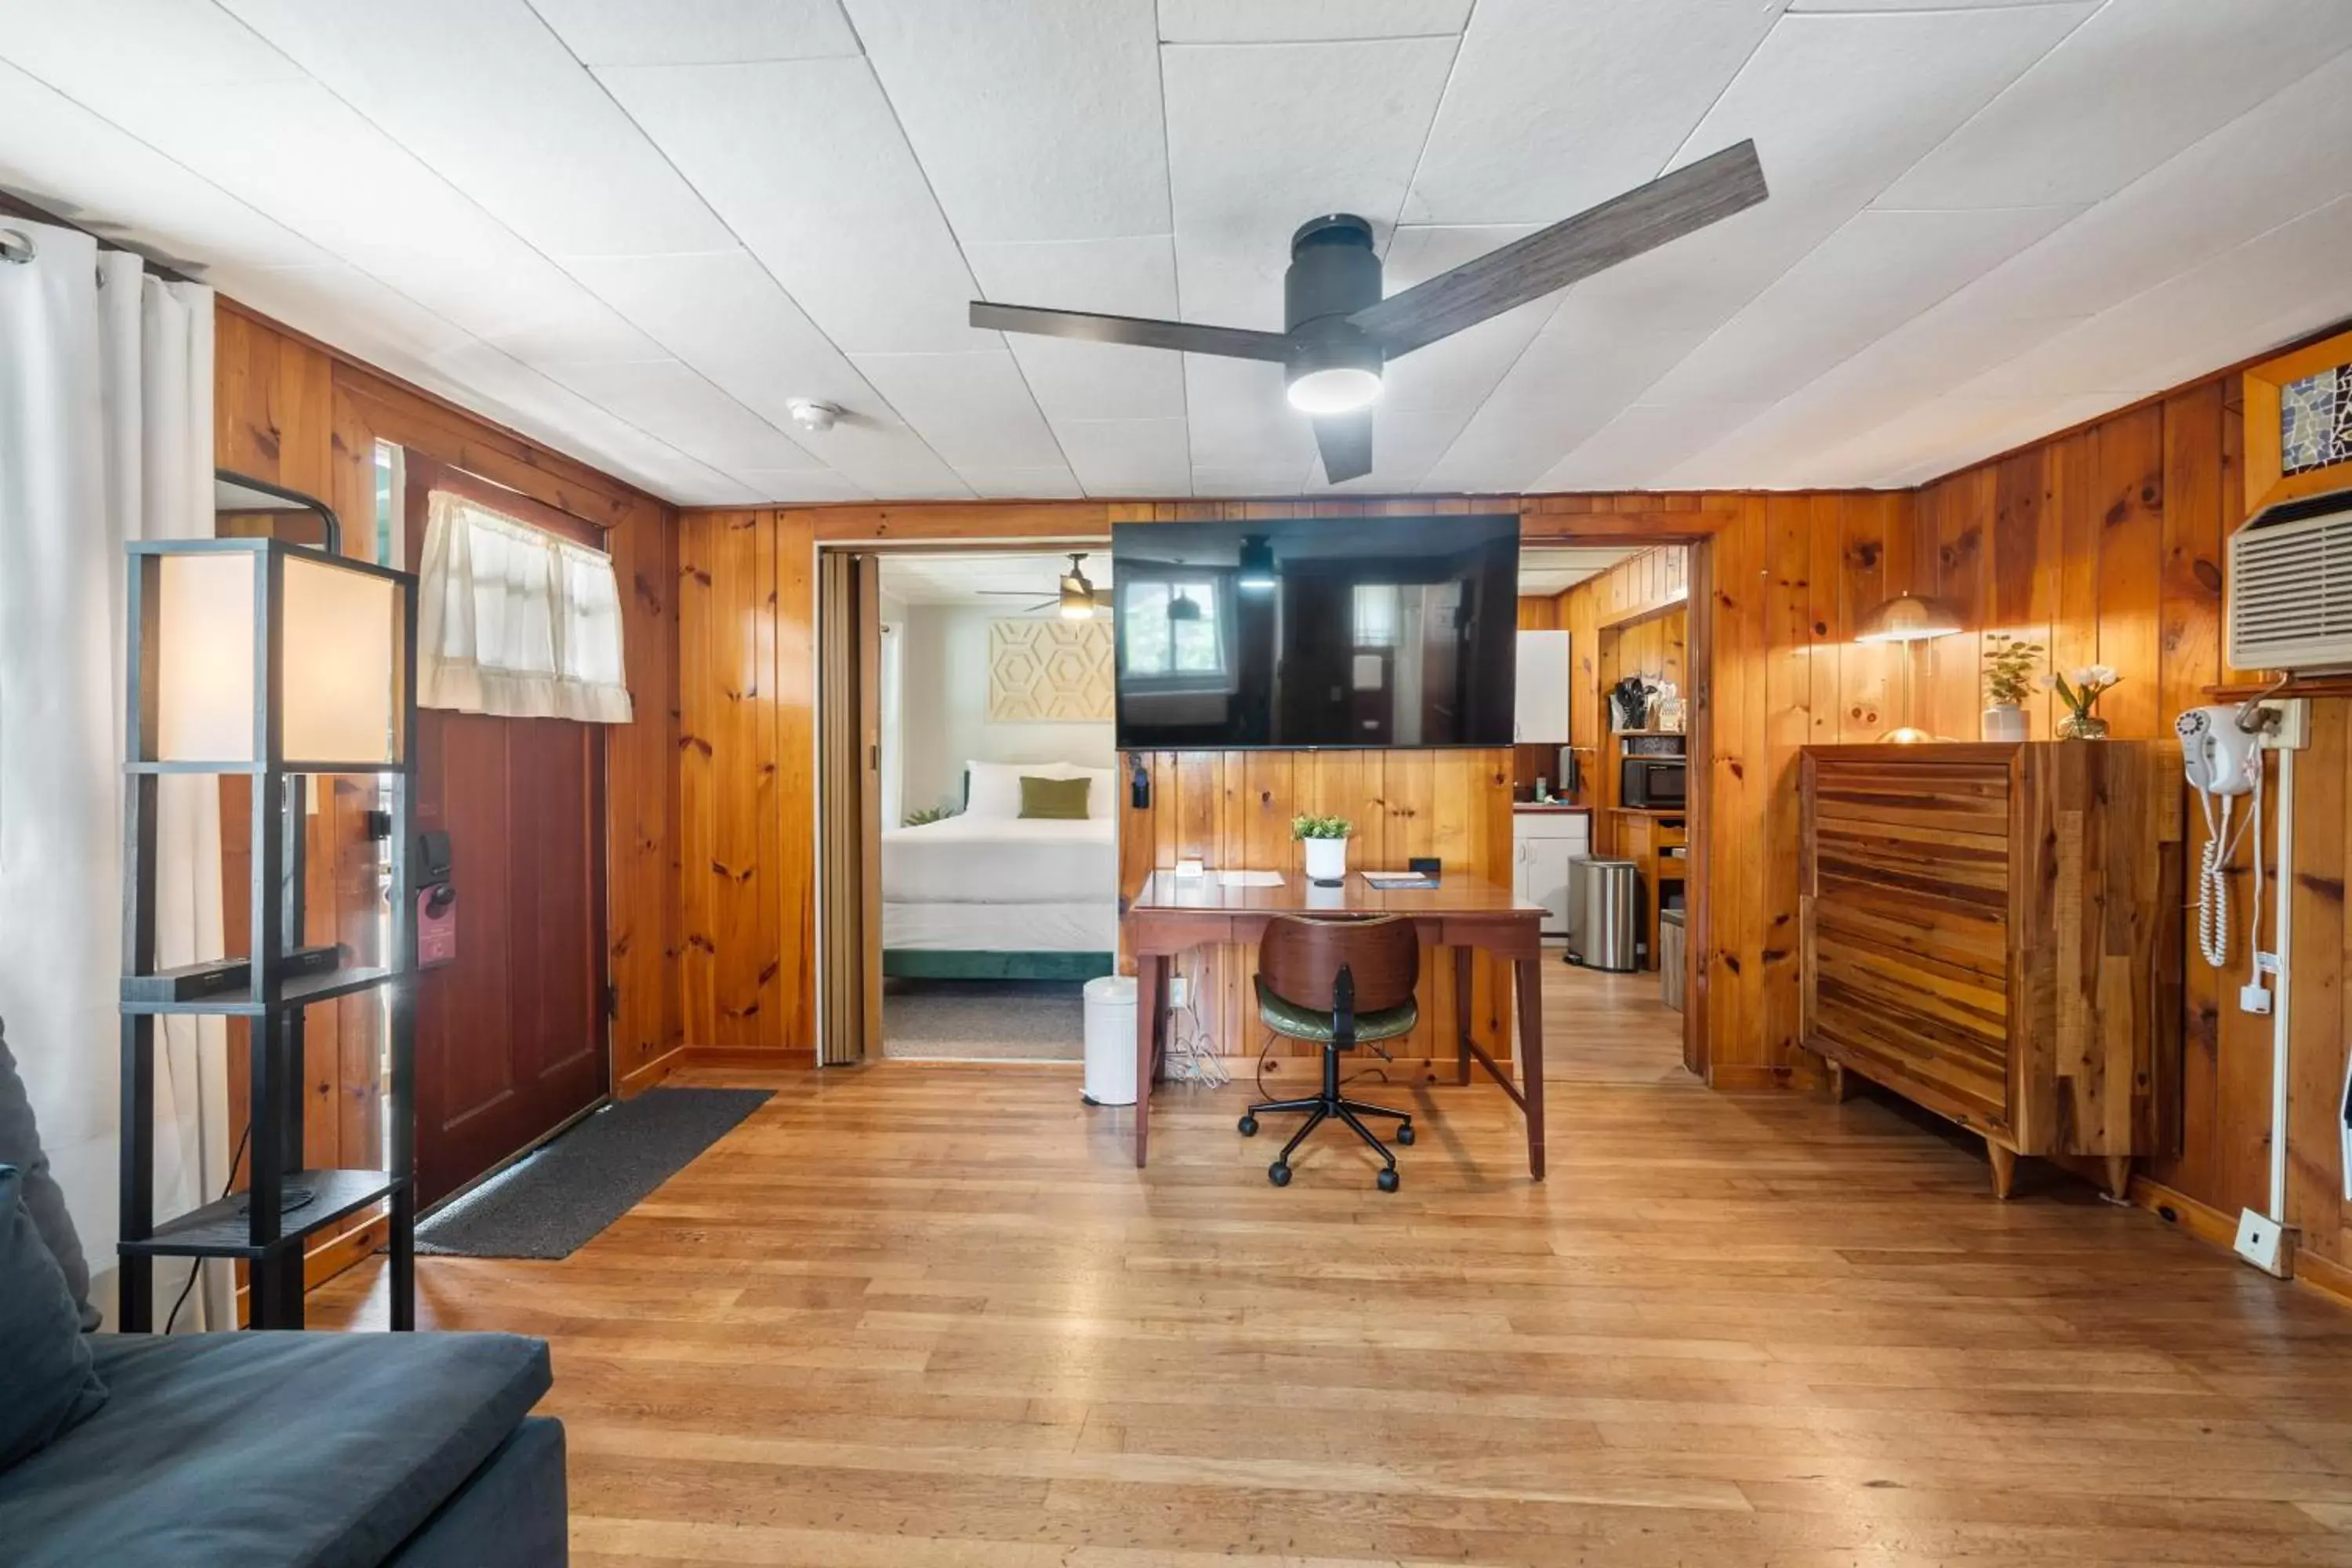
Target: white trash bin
x,y
1111,1040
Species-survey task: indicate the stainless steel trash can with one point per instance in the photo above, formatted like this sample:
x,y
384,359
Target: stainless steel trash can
x,y
1600,914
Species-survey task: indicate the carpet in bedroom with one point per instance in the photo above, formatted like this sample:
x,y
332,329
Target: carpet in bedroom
x,y
983,1020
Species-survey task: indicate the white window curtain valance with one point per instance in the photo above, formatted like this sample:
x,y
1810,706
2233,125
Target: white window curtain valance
x,y
516,621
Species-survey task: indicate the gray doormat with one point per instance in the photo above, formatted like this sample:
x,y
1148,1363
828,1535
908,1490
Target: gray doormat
x,y
556,1200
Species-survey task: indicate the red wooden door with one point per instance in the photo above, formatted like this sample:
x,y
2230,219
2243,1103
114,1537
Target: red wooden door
x,y
511,1038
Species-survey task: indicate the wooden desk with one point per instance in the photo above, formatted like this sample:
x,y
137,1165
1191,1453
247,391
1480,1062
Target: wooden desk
x,y
1172,914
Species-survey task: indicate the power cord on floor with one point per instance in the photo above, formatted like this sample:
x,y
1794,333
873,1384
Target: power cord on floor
x,y
196,1265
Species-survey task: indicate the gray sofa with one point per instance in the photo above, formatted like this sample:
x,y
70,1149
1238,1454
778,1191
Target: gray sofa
x,y
252,1450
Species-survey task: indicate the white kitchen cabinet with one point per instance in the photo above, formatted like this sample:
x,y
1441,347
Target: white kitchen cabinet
x,y
1541,706
1543,842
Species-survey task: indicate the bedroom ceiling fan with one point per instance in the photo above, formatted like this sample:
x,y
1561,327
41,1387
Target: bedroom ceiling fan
x,y
1338,331
1078,597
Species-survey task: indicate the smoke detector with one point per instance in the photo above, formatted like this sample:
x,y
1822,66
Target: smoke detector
x,y
810,414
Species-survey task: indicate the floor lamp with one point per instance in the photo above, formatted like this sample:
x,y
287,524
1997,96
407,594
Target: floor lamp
x,y
1907,618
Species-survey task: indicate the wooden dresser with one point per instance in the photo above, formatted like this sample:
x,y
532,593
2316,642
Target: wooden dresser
x,y
1994,932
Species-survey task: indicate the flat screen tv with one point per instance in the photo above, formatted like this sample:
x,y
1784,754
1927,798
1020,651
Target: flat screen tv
x,y
1388,631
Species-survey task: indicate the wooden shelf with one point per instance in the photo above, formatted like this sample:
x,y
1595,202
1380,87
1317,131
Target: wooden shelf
x,y
221,1228
1678,734
300,992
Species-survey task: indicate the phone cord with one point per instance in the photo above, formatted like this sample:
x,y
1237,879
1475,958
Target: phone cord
x,y
2213,883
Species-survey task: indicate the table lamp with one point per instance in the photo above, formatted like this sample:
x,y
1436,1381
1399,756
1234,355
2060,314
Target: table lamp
x,y
1907,618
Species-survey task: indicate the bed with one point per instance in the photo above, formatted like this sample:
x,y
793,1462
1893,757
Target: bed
x,y
989,894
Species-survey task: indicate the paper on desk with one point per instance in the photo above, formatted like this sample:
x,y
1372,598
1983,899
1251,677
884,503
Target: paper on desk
x,y
1250,879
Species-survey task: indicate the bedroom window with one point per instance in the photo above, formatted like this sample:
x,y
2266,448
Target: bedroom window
x,y
514,621
1172,629
1376,614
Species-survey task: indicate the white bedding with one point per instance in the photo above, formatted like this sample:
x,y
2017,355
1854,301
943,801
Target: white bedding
x,y
1086,926
1002,861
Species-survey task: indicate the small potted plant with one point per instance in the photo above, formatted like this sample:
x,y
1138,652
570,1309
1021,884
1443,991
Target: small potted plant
x,y
2080,692
2008,674
1325,838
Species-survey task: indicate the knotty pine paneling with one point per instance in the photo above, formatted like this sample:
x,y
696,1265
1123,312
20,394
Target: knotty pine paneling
x,y
1232,810
289,409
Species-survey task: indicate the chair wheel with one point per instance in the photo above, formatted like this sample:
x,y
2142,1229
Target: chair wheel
x,y
1405,1133
1248,1125
1387,1180
1278,1173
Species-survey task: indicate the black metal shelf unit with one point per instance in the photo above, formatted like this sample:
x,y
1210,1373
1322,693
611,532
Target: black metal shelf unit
x,y
282,1204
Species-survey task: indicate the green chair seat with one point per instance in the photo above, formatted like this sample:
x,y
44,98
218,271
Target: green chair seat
x,y
1306,1024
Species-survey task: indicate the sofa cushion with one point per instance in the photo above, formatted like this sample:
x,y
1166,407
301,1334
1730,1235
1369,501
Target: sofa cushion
x,y
46,1382
20,1145
322,1449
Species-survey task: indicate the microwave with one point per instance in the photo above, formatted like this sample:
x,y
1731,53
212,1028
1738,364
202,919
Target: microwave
x,y
1656,783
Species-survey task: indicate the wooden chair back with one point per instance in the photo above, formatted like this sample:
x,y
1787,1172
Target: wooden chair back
x,y
1300,956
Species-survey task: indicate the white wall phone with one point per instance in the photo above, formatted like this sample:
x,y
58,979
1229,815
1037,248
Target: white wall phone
x,y
2222,755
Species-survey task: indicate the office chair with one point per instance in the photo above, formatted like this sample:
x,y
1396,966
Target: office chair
x,y
1337,983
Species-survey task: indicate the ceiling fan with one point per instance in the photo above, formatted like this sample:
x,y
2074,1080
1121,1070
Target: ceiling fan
x,y
1078,597
1338,331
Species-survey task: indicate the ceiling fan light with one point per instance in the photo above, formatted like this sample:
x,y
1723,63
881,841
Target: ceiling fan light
x,y
1078,601
1334,389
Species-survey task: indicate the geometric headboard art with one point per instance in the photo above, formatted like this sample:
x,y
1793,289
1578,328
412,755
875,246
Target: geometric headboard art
x,y
1049,672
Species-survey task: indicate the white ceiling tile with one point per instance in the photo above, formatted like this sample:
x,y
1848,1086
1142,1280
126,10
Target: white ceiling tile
x,y
805,162
1074,153
1296,21
340,305
881,456
1878,271
1262,138
1574,378
68,161
139,47
510,118
698,32
2132,86
1839,105
671,400
1055,483
803,485
2276,286
1241,417
1127,457
1278,480
1558,105
1457,372
1131,276
972,409
1631,450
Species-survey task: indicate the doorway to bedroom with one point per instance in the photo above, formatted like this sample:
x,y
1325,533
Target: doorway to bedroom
x,y
997,872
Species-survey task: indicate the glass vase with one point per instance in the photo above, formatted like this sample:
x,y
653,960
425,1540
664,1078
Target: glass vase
x,y
2082,727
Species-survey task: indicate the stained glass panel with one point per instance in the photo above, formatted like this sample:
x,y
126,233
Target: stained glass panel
x,y
2315,421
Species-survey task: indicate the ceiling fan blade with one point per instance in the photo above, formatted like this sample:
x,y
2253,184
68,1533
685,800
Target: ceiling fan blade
x,y
1600,237
1190,337
1346,443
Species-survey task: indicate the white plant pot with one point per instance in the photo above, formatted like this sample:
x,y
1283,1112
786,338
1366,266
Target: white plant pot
x,y
1327,860
2004,721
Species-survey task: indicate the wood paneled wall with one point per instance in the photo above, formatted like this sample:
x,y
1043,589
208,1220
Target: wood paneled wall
x,y
1232,809
290,410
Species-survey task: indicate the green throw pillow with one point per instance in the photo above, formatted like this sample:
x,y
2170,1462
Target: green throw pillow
x,y
1056,800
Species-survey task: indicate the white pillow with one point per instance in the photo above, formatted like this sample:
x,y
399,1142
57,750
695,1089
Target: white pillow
x,y
996,788
1102,791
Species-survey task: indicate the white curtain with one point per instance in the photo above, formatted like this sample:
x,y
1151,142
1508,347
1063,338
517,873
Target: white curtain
x,y
514,621
106,378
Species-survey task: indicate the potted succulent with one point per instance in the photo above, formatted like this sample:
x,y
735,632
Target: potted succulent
x,y
2080,693
2008,674
1325,838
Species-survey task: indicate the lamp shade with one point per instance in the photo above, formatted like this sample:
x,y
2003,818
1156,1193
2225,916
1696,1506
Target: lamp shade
x,y
1907,618
214,610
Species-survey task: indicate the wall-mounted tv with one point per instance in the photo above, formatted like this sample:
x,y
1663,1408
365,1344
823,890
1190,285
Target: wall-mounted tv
x,y
1387,631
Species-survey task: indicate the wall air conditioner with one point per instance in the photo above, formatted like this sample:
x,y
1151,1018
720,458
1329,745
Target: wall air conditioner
x,y
2289,587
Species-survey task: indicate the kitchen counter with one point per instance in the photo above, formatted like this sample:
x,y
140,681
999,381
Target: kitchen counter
x,y
1548,807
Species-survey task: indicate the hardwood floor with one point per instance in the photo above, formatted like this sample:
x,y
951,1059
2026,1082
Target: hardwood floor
x,y
925,1315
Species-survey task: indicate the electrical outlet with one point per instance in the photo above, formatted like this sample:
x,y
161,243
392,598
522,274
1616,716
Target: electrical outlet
x,y
2292,731
2261,1243
1180,992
